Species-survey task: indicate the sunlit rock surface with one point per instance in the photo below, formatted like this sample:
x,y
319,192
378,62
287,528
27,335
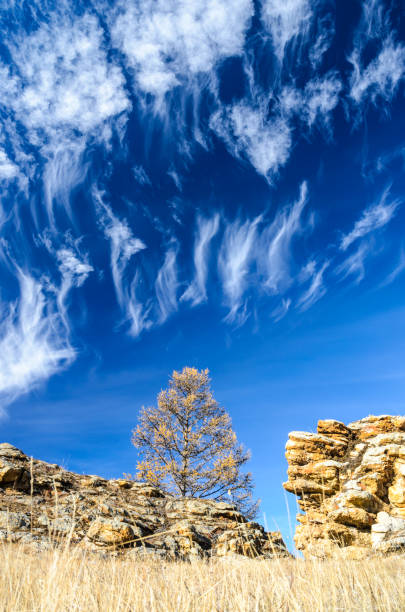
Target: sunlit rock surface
x,y
350,481
43,505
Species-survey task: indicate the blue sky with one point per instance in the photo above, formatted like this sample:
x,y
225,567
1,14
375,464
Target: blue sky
x,y
212,183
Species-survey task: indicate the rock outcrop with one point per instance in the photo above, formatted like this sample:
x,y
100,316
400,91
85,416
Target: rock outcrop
x,y
43,505
350,481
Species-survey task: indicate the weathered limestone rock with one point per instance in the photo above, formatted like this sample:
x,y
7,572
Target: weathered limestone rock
x,y
350,481
112,531
248,540
43,505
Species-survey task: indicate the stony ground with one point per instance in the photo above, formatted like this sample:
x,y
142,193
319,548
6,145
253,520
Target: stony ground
x,y
42,504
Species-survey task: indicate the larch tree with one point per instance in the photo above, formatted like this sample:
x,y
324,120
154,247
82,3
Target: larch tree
x,y
187,445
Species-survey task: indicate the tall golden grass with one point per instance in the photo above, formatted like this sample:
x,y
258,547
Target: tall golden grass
x,y
68,579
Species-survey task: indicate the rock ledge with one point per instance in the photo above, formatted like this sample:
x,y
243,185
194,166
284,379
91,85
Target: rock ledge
x,y
43,505
350,481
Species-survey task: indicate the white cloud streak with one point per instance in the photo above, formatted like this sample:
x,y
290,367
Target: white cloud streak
x,y
281,310
196,292
373,218
34,337
64,170
176,178
323,39
297,26
137,313
286,20
166,285
375,19
275,244
15,163
235,257
123,246
263,259
354,264
316,289
397,271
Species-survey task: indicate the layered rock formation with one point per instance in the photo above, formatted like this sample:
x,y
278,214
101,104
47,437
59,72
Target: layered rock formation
x,y
43,505
350,481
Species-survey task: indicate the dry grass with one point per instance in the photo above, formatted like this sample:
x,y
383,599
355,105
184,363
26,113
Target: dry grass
x,y
64,580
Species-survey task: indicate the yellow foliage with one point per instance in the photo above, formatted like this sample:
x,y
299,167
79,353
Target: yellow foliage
x,y
187,443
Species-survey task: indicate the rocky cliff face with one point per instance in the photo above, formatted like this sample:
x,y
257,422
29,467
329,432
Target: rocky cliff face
x,y
42,504
350,481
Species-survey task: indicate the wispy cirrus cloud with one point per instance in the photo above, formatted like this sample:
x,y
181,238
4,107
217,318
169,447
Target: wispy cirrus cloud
x,y
35,328
206,229
261,259
353,265
381,77
373,218
275,244
166,285
74,269
34,340
374,19
321,96
15,161
281,310
298,28
235,257
167,43
266,138
375,78
323,37
65,170
8,169
247,132
140,175
62,88
313,104
287,21
313,274
123,246
396,272
137,312
65,81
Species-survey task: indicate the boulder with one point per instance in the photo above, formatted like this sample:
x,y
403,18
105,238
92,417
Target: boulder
x,y
114,532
